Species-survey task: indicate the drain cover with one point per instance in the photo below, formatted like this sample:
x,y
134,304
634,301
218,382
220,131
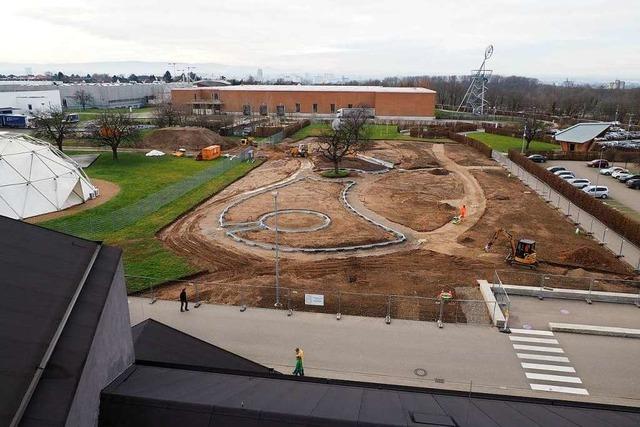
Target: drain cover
x,y
420,372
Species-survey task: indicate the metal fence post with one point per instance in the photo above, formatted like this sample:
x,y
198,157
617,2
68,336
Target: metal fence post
x,y
542,280
289,310
153,295
198,303
589,301
569,209
621,244
339,313
243,302
387,319
604,233
441,302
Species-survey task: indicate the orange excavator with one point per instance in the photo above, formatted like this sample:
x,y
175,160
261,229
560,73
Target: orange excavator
x,y
523,252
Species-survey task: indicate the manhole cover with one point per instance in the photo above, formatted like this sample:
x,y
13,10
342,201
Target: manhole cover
x,y
420,372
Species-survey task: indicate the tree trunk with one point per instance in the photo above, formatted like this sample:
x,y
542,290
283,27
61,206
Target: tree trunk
x,y
59,141
114,150
336,168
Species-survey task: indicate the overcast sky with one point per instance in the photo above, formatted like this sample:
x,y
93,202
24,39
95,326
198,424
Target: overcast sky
x,y
564,38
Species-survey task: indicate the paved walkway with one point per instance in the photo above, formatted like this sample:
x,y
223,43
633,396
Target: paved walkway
x,y
458,357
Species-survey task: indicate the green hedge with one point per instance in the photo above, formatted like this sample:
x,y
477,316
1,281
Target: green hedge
x,y
616,221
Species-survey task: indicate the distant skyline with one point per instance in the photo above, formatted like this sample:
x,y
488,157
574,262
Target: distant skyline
x,y
583,40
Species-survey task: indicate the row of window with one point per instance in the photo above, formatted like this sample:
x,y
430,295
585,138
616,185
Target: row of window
x,y
280,109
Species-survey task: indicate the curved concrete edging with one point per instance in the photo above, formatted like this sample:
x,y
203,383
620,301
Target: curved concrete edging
x,y
246,226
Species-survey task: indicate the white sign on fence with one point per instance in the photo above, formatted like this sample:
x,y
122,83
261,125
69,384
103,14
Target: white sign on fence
x,y
313,299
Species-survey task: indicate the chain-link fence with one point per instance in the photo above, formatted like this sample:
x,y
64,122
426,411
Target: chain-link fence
x,y
95,222
338,303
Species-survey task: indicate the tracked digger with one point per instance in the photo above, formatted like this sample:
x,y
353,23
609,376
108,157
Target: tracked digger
x,y
522,252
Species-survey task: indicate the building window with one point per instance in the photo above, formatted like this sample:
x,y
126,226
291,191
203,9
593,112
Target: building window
x,y
350,106
280,110
30,107
263,110
315,108
298,107
333,108
216,96
246,110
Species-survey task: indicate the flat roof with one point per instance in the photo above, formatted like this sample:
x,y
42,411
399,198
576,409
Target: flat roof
x,y
163,396
314,88
582,132
40,271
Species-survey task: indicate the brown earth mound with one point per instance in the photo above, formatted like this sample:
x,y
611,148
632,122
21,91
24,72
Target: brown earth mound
x,y
587,256
190,138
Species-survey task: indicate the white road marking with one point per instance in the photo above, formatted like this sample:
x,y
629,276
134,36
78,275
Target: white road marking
x,y
537,348
531,332
557,378
558,389
534,340
542,367
543,357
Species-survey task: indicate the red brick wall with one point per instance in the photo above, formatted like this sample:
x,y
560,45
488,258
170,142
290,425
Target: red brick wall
x,y
386,104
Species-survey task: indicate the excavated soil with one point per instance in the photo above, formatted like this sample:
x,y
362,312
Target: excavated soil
x,y
466,156
190,138
404,154
294,220
415,199
345,229
512,206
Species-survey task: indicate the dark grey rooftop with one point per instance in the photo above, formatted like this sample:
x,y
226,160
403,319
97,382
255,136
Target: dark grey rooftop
x,y
40,272
164,396
155,342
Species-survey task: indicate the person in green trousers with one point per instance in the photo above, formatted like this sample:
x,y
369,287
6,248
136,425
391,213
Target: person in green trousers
x,y
299,370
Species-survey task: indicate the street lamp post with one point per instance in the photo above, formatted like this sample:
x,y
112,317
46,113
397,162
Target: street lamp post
x,y
275,205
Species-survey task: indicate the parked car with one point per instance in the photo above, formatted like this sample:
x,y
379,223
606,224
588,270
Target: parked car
x,y
566,177
554,169
564,173
579,182
615,174
633,183
609,171
538,158
624,177
598,163
599,191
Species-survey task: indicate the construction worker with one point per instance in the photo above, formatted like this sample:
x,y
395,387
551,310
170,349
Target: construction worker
x,y
463,212
299,370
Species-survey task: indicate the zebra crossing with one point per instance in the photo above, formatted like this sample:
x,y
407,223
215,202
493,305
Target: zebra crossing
x,y
541,357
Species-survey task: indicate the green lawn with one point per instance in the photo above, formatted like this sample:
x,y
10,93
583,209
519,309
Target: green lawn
x,y
375,131
138,177
505,143
92,113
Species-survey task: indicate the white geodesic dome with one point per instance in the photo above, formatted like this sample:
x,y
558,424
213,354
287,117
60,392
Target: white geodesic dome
x,y
37,178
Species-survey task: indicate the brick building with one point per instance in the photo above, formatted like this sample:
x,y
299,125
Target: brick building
x,y
402,103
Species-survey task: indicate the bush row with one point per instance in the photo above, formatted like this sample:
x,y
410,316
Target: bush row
x,y
616,221
267,131
442,130
480,146
517,133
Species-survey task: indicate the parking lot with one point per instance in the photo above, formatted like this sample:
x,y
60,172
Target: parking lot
x,y
617,191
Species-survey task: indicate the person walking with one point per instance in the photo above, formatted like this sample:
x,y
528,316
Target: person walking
x,y
183,300
299,370
463,212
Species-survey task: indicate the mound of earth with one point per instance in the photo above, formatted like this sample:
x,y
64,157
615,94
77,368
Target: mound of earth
x,y
190,138
588,257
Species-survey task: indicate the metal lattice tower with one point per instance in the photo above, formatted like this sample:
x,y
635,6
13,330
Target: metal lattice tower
x,y
474,98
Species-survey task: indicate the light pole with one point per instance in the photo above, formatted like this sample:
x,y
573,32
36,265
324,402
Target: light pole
x,y
275,206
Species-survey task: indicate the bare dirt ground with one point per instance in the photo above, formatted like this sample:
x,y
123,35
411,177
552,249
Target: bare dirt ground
x,y
348,163
345,229
421,200
108,190
448,257
190,138
466,156
516,208
404,154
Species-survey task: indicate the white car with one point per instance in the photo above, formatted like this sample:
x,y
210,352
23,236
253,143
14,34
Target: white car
x,y
565,173
599,191
617,173
609,171
622,177
579,182
567,177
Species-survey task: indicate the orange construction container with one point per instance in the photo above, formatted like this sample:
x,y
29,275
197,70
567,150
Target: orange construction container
x,y
211,152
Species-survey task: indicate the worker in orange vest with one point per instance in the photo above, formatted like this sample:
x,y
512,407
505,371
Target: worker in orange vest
x,y
463,212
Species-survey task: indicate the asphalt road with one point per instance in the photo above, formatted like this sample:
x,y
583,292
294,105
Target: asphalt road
x,y
617,190
462,357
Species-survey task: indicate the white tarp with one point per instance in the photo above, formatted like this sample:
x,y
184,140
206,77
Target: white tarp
x,y
154,153
36,178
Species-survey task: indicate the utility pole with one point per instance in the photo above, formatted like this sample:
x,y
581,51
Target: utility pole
x,y
275,205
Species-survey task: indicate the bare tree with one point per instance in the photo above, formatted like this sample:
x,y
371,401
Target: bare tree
x,y
168,115
533,127
83,98
53,124
113,128
348,135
